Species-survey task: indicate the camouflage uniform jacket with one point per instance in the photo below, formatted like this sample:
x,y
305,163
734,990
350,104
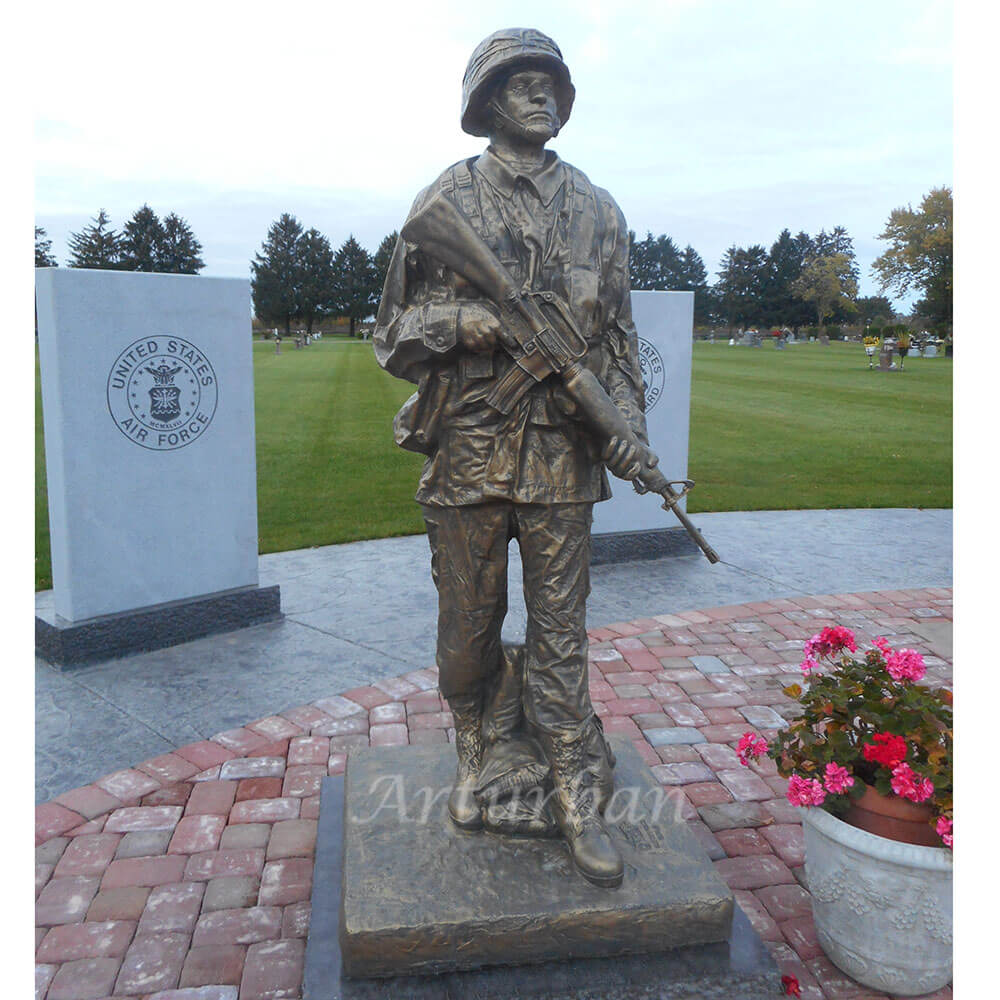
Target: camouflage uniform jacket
x,y
554,231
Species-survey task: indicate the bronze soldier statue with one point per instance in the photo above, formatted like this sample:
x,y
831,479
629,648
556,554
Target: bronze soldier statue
x,y
510,454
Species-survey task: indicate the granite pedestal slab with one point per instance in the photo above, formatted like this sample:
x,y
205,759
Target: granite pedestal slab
x,y
107,637
631,546
443,913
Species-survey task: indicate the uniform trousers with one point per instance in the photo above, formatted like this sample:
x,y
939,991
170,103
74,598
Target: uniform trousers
x,y
469,566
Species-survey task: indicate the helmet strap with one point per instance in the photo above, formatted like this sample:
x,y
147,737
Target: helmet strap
x,y
521,131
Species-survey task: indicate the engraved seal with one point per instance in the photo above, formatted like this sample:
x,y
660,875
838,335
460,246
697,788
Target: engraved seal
x,y
653,373
162,393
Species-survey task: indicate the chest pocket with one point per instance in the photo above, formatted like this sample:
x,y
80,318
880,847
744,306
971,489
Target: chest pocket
x,y
476,366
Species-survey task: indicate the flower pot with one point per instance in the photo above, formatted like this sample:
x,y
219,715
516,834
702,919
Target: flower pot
x,y
894,818
882,909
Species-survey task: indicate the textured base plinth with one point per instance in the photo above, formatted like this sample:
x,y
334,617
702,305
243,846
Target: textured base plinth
x,y
670,895
420,897
630,546
73,644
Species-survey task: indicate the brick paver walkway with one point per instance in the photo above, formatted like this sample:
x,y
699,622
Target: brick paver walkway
x,y
188,877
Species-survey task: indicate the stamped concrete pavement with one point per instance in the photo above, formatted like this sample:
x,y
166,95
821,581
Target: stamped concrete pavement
x,y
364,611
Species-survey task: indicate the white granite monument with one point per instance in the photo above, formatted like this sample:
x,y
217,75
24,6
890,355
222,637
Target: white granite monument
x,y
635,524
147,394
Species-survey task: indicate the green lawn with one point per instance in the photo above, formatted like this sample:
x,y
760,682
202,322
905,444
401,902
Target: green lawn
x,y
807,427
813,427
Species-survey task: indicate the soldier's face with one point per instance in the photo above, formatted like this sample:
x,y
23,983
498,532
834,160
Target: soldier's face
x,y
528,98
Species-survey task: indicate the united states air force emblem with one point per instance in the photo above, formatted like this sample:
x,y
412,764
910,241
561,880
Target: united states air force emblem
x,y
162,393
653,373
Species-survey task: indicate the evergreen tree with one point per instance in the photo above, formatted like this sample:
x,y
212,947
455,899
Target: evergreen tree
x,y
277,274
141,241
654,263
354,282
875,309
43,249
694,278
381,260
316,290
742,277
179,250
785,260
95,246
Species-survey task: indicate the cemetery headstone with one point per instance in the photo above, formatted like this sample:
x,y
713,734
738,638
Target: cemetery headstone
x,y
147,394
931,351
824,339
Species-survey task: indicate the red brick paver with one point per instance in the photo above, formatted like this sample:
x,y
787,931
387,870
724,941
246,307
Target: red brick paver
x,y
189,875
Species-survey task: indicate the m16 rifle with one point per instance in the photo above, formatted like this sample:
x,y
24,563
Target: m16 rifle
x,y
548,341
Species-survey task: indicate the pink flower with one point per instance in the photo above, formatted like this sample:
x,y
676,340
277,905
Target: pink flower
x,y
906,665
808,665
909,785
804,791
750,747
944,828
882,645
838,779
830,641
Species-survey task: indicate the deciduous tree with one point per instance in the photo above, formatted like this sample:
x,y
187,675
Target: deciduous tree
x,y
827,283
920,256
95,245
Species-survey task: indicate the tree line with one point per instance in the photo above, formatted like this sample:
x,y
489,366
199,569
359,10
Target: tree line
x,y
805,280
801,280
296,275
145,243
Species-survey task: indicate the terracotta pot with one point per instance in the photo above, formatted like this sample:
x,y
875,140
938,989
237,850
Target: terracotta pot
x,y
894,818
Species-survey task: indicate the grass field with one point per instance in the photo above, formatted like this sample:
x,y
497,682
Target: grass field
x,y
808,427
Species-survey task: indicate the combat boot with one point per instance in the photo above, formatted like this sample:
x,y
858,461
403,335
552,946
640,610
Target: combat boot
x,y
464,809
575,808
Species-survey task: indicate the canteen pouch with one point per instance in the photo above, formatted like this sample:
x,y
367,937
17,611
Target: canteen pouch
x,y
417,424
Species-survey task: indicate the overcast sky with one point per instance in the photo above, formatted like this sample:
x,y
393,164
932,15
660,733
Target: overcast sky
x,y
715,122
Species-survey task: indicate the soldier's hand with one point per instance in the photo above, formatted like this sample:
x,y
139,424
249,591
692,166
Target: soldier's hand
x,y
625,459
478,329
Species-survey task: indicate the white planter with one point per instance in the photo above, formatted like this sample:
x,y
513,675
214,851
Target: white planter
x,y
883,910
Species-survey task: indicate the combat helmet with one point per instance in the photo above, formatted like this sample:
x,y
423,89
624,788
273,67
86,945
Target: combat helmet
x,y
498,54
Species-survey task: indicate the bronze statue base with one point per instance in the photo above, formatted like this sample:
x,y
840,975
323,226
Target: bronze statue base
x,y
421,896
